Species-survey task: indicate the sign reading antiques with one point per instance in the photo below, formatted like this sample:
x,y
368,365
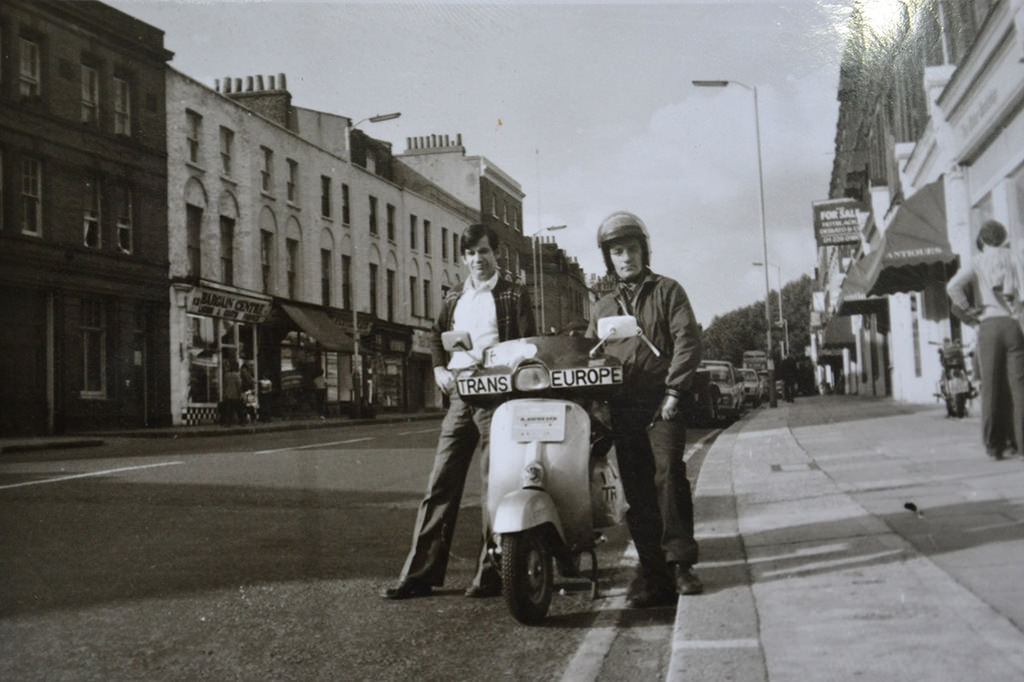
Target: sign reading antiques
x,y
836,221
230,306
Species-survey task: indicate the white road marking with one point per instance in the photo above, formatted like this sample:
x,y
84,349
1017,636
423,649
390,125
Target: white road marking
x,y
409,433
105,472
307,447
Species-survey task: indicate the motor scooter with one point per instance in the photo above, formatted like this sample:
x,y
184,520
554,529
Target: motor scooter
x,y
551,486
955,386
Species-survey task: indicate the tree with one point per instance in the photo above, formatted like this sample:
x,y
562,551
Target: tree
x,y
743,329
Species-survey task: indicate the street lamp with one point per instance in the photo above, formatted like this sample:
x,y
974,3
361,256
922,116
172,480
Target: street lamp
x,y
538,257
783,322
772,398
357,375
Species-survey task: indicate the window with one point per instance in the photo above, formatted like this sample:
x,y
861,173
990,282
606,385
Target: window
x,y
293,181
412,231
122,107
426,236
31,196
373,289
94,351
194,128
124,221
266,257
444,243
390,292
292,253
325,196
373,215
414,292
266,172
494,204
227,250
91,237
345,217
90,94
28,69
325,276
426,299
227,148
391,222
193,229
346,282
455,247
504,212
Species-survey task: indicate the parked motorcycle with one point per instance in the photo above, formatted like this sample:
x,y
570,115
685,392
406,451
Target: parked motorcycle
x,y
955,386
551,485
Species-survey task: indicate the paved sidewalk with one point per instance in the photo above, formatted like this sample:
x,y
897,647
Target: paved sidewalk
x,y
90,439
816,569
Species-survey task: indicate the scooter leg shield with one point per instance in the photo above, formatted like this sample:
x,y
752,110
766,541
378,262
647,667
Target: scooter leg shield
x,y
522,509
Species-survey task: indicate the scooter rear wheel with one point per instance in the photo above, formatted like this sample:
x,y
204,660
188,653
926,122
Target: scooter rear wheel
x,y
527,575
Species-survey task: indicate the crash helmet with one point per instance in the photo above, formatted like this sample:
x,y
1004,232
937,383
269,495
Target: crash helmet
x,y
621,225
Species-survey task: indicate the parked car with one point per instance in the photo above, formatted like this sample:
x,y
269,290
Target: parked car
x,y
751,387
730,387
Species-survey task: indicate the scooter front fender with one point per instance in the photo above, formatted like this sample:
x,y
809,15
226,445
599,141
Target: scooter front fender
x,y
523,509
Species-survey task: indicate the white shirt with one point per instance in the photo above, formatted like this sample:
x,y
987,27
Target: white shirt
x,y
991,269
475,313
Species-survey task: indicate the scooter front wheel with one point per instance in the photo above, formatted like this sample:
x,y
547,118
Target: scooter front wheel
x,y
527,575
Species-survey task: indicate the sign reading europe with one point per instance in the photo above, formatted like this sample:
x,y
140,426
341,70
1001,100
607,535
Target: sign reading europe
x,y
229,306
836,221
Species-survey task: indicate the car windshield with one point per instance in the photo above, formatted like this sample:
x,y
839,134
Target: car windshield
x,y
719,373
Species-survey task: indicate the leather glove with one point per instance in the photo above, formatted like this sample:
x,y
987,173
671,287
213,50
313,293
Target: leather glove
x,y
669,407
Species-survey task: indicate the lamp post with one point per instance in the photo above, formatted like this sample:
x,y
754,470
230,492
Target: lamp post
x,y
783,322
357,374
772,397
538,257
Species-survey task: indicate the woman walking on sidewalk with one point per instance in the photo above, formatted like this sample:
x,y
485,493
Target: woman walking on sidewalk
x,y
1000,339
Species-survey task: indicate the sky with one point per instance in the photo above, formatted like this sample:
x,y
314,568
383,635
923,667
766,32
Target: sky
x,y
590,107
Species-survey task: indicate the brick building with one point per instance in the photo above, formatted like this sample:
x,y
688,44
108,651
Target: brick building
x,y
83,219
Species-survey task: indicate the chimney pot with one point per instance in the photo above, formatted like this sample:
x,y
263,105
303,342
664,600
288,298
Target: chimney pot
x,y
248,83
281,81
259,83
227,86
238,85
216,84
458,139
272,85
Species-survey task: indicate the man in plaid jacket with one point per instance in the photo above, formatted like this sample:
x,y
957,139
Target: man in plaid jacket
x,y
491,308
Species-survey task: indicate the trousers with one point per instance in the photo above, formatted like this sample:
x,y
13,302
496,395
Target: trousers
x,y
650,457
1001,355
464,430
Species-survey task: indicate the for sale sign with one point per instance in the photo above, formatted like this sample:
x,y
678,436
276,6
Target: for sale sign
x,y
837,221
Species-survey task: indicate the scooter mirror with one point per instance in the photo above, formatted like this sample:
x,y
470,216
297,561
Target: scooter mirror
x,y
617,327
456,340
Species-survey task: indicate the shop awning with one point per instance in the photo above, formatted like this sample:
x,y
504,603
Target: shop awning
x,y
321,327
838,333
915,251
853,294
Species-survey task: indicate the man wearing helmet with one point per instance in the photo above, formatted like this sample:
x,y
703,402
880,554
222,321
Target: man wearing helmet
x,y
649,433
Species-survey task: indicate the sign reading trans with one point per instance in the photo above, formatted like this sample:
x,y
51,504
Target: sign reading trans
x,y
836,221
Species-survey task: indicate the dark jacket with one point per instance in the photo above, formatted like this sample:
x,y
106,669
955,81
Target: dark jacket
x,y
663,312
511,303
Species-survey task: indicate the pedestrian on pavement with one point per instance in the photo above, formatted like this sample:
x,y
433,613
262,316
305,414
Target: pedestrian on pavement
x,y
248,392
266,398
788,374
232,409
1000,340
491,308
320,392
647,420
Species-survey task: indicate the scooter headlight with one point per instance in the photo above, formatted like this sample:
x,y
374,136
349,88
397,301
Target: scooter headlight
x,y
531,378
532,475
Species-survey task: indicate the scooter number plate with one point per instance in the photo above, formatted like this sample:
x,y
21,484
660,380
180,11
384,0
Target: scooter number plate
x,y
586,376
538,423
491,384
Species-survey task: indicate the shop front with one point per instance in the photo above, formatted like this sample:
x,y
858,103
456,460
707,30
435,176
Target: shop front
x,y
214,328
386,361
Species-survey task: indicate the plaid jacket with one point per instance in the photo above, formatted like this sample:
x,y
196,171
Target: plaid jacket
x,y
511,303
